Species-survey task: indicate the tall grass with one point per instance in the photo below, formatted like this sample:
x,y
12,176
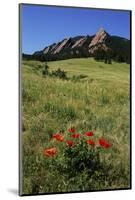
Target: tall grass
x,y
98,102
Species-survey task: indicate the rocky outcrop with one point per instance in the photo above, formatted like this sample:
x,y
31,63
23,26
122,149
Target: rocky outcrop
x,y
61,46
79,42
46,50
84,46
98,46
100,37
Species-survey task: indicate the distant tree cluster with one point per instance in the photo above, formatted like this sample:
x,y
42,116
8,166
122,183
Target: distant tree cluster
x,y
120,51
102,55
63,55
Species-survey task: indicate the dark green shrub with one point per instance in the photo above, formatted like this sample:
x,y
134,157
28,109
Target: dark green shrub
x,y
105,60
46,69
59,73
109,61
99,54
79,158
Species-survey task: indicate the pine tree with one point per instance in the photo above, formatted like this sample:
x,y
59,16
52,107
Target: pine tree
x,y
105,60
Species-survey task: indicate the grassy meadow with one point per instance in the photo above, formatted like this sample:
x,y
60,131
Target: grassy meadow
x,y
95,97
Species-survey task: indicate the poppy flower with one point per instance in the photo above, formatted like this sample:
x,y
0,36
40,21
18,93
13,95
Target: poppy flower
x,y
59,137
50,152
91,142
104,143
75,135
90,133
70,143
71,130
107,145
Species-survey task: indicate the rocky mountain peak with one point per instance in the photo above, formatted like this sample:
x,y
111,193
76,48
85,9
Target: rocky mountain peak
x,y
84,46
100,37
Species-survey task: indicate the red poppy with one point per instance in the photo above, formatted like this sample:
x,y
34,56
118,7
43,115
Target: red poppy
x,y
75,135
59,137
90,133
104,143
91,142
71,130
70,143
107,145
50,152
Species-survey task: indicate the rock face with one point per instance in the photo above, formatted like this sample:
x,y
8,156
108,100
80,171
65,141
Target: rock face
x,y
79,42
61,46
83,46
102,46
99,41
90,43
100,37
46,50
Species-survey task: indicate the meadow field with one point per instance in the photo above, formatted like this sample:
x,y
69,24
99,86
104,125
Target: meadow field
x,y
95,98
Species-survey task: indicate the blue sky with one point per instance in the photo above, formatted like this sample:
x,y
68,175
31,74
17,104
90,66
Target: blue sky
x,y
42,25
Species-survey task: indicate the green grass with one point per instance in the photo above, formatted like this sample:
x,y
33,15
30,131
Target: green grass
x,y
100,101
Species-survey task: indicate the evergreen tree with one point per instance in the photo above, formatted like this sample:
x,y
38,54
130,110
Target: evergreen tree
x,y
105,60
109,61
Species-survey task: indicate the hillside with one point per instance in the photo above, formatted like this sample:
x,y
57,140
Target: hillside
x,y
94,97
116,47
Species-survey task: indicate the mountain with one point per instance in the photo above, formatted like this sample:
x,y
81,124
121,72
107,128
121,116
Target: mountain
x,y
100,45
